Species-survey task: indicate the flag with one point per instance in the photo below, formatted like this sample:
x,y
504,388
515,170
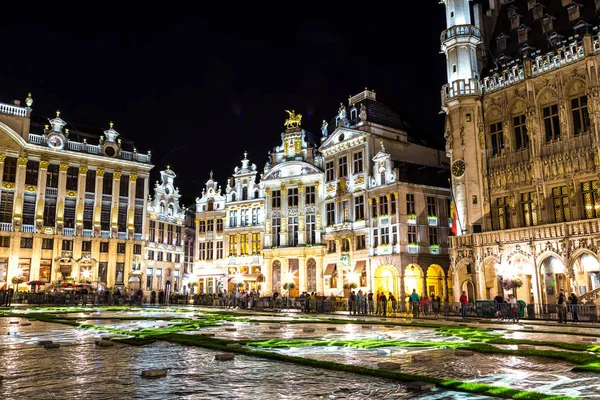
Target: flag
x,y
454,228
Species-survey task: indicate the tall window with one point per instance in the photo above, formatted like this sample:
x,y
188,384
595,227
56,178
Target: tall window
x,y
10,169
255,243
107,183
232,245
496,138
119,272
232,218
49,209
591,200
219,225
255,211
433,236
32,171
560,200
551,122
393,204
244,244
72,175
170,234
202,250
431,206
275,230
152,231
410,203
329,176
385,235
219,250
357,160
412,234
581,117
161,232
90,181
330,213
529,210
293,197
520,129
310,229
244,216
202,226
292,231
503,212
52,176
29,200
124,187
383,205
103,271
276,199
343,167
374,210
310,195
245,193
359,207
209,250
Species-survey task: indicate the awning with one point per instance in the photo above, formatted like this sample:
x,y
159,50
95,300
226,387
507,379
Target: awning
x,y
329,270
359,267
134,279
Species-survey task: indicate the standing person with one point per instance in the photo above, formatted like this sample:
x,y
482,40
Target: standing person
x,y
383,301
377,305
359,299
573,300
394,303
370,300
435,304
414,303
464,301
153,298
9,295
161,297
561,307
512,304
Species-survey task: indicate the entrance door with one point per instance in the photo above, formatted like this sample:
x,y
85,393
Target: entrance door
x,y
470,289
386,281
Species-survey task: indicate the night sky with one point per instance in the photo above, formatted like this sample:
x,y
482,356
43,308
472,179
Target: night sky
x,y
200,86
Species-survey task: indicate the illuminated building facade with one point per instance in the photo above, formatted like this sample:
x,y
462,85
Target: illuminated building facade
x,y
72,202
522,121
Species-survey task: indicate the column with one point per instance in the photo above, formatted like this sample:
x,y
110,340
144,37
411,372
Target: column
x,y
284,206
80,200
2,158
268,273
301,215
302,278
114,212
127,270
456,287
112,263
424,282
267,216
402,299
318,217
131,206
19,190
320,279
96,256
446,296
60,199
285,270
98,201
39,209
388,197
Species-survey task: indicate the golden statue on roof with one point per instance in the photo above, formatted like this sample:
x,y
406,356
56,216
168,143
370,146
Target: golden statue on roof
x,y
294,119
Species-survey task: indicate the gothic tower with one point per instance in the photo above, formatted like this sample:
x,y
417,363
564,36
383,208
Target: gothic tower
x,y
464,120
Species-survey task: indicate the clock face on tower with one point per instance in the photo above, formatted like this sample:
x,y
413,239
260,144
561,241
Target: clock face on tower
x,y
458,168
55,142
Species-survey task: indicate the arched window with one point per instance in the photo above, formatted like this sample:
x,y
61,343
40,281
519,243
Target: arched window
x,y
171,209
276,276
245,193
161,208
311,275
211,205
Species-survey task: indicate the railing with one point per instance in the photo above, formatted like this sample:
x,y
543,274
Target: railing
x,y
508,76
91,148
69,231
590,296
105,234
564,144
507,158
37,139
460,87
6,226
122,235
50,191
13,110
107,198
75,146
541,233
460,30
88,233
557,58
137,236
28,228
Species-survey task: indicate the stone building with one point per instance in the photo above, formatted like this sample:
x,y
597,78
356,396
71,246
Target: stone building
x,y
165,233
72,201
189,249
244,226
367,203
522,108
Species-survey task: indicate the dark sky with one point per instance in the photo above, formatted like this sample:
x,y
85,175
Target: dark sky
x,y
198,86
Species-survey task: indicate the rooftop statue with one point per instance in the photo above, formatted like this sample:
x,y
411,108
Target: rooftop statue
x,y
294,120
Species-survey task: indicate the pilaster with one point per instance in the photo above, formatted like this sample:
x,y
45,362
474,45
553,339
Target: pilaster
x,y
19,190
60,199
131,205
98,201
80,200
114,212
39,209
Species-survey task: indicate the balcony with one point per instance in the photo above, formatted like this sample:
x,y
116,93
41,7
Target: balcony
x,y
122,235
68,231
50,191
105,234
534,233
460,87
6,227
432,220
28,228
137,236
413,248
88,233
460,31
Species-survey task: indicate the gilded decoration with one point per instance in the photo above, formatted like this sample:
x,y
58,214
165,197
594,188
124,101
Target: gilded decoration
x,y
298,146
133,177
100,172
44,164
8,185
22,161
64,167
118,174
2,157
330,188
294,120
71,193
31,188
83,170
359,180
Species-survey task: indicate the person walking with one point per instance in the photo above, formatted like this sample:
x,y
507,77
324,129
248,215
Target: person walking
x,y
9,295
383,301
464,301
514,311
394,303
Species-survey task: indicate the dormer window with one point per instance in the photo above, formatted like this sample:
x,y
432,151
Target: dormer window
x,y
548,24
501,42
538,11
515,21
523,33
574,13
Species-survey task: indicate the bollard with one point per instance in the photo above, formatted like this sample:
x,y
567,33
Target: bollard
x,y
308,330
331,328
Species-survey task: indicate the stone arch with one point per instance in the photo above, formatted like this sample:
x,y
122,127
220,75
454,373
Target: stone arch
x,y
386,280
546,96
492,285
517,106
585,266
575,86
413,278
311,275
468,286
553,276
494,114
435,280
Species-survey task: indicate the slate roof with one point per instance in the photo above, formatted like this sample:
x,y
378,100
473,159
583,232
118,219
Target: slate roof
x,y
422,174
530,16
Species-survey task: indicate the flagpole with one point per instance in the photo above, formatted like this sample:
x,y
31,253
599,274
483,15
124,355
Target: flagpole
x,y
455,209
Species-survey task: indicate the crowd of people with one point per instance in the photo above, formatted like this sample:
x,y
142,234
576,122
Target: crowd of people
x,y
382,304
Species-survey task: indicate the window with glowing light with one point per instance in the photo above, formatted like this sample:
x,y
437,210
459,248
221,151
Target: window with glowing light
x,y
232,245
45,270
581,116
503,212
560,201
591,199
528,208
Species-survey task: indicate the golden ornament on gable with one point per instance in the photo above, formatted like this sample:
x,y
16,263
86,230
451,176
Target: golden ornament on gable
x,y
294,120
